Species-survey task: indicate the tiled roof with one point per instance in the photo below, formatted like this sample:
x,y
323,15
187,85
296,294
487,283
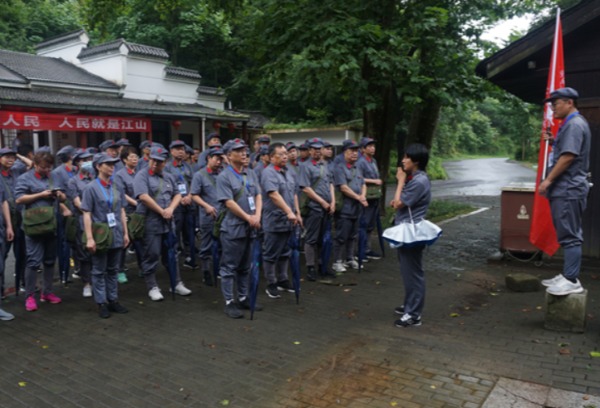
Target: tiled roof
x,y
209,90
60,38
9,76
134,49
257,119
109,104
182,73
46,69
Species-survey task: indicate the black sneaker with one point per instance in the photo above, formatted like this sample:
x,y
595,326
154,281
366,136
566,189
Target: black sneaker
x,y
399,310
311,274
232,311
208,279
245,304
188,264
116,307
272,291
285,286
103,311
408,320
373,255
326,273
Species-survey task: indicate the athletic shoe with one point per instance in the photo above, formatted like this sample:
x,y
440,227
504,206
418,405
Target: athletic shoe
x,y
116,307
30,304
130,251
181,290
187,263
272,291
122,277
87,291
285,286
351,263
366,260
565,287
75,275
5,316
245,304
338,267
155,294
407,320
311,274
103,311
326,273
373,255
232,311
399,310
50,298
553,281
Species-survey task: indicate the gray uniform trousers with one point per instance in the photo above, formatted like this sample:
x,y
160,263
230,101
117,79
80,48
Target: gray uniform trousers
x,y
346,231
40,250
413,276
235,265
314,227
206,245
276,256
154,249
566,217
105,266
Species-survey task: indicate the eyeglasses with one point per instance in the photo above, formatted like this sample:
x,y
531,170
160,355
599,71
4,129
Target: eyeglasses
x,y
555,102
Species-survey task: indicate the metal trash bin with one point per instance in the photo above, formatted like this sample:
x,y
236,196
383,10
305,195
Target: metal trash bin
x,y
516,205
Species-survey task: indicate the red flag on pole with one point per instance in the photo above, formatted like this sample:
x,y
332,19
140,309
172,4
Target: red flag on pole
x,y
542,233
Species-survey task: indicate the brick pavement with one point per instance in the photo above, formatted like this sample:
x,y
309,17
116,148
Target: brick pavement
x,y
338,348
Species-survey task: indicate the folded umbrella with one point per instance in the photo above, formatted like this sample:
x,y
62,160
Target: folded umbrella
x,y
254,273
216,255
327,244
170,241
190,219
380,231
362,242
294,244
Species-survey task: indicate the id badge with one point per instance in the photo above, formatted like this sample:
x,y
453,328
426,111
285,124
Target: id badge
x,y
251,204
182,189
110,218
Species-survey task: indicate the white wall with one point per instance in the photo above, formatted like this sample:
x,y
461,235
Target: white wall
x,y
67,51
111,67
333,136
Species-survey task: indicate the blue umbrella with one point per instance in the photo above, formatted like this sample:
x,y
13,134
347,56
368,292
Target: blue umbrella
x,y
216,254
327,244
254,273
362,241
294,243
380,232
190,219
170,242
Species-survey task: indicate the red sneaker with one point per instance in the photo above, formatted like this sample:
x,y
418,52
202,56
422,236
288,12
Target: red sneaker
x,y
30,304
50,298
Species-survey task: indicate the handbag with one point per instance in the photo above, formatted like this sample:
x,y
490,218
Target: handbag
x,y
409,234
103,236
136,226
39,221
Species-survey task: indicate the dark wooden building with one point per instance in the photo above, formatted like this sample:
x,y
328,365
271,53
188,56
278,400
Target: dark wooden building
x,y
522,69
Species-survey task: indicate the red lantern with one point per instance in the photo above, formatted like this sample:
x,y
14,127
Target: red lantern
x,y
216,125
176,124
231,127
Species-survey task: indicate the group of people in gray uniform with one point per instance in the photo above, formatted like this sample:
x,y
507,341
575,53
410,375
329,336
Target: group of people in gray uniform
x,y
93,205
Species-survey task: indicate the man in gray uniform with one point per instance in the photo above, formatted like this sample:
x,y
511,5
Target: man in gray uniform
x,y
566,187
158,197
213,139
280,215
350,182
368,166
316,182
111,148
262,141
204,193
239,192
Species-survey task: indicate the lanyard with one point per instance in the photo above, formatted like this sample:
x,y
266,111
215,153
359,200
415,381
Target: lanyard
x,y
109,199
240,178
181,174
571,116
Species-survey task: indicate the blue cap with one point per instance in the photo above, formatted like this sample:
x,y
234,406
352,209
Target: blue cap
x,y
327,144
234,144
290,146
145,143
107,144
92,150
350,144
263,150
67,150
213,136
43,149
100,158
264,139
176,143
81,154
189,150
123,142
315,143
366,141
562,93
158,153
7,150
214,151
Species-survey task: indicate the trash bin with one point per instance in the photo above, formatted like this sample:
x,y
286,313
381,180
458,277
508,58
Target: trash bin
x,y
516,204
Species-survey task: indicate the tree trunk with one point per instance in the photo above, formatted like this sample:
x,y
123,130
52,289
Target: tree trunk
x,y
423,122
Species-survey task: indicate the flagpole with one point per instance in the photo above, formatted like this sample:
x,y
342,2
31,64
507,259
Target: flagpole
x,y
553,76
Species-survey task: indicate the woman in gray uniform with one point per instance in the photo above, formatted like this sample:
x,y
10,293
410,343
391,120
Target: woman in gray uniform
x,y
412,198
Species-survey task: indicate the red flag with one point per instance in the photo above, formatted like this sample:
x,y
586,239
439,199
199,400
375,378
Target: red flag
x,y
542,233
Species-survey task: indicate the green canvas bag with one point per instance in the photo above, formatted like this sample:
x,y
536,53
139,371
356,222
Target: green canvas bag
x,y
136,226
39,221
103,235
71,229
373,192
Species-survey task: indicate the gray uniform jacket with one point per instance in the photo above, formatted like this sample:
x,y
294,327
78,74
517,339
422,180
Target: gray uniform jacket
x,y
351,176
101,199
162,189
416,194
124,178
204,184
32,183
239,187
279,180
316,176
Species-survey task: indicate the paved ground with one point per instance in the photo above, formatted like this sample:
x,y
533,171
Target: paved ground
x,y
338,348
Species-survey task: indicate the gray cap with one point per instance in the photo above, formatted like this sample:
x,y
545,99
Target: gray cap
x,y
107,144
176,143
233,145
365,141
67,150
43,149
145,143
562,93
350,145
103,158
215,151
123,142
81,154
158,153
315,143
7,150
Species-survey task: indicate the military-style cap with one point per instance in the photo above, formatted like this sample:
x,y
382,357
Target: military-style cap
x,y
176,143
7,150
81,154
234,145
43,149
562,93
264,150
350,145
366,141
67,150
215,151
213,136
100,158
264,139
315,143
290,145
158,153
123,142
327,144
145,144
92,150
107,144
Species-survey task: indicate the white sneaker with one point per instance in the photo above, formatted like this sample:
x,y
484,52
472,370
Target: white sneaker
x,y
338,266
553,281
180,289
565,287
87,291
351,263
155,294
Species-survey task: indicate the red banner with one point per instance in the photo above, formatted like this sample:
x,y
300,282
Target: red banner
x,y
542,233
72,123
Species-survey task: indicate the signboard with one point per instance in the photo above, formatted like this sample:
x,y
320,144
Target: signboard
x,y
72,123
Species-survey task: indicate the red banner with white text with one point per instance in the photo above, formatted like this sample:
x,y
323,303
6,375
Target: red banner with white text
x,y
72,123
